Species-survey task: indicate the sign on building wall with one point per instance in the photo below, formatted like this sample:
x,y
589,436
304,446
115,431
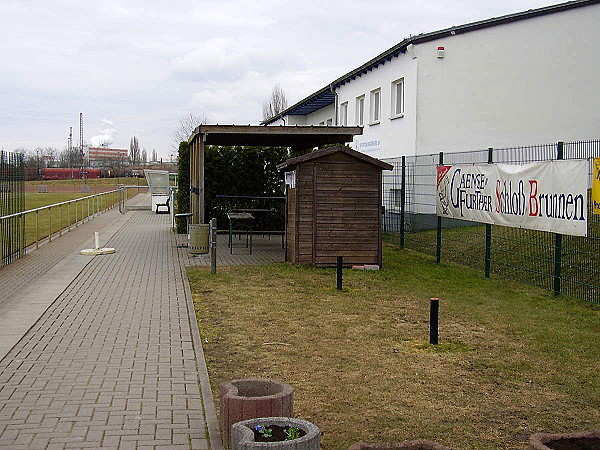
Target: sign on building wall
x,y
544,196
596,186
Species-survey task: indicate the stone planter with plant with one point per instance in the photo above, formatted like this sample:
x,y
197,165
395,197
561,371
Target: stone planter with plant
x,y
281,433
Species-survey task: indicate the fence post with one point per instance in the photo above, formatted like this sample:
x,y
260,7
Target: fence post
x,y
402,201
558,238
213,245
37,229
22,235
488,230
438,247
339,267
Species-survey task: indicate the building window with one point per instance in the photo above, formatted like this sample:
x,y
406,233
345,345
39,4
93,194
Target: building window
x,y
397,98
360,110
375,105
344,114
329,122
395,198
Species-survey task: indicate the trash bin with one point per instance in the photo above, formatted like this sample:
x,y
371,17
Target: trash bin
x,y
198,238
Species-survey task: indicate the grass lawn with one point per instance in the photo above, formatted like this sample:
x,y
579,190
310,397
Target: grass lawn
x,y
520,254
512,359
130,181
62,218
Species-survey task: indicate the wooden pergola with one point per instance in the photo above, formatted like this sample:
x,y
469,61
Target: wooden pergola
x,y
295,137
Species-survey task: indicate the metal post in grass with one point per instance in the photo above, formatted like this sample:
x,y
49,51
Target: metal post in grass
x,y
340,261
558,237
434,308
488,230
402,201
438,247
213,245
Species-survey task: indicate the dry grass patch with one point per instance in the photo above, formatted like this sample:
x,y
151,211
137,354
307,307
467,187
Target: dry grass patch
x,y
512,359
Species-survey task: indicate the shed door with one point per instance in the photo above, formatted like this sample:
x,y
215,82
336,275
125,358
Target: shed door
x,y
347,212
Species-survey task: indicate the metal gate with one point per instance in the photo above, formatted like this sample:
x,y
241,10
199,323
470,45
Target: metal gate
x,y
12,200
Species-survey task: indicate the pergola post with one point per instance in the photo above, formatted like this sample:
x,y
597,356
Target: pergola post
x,y
193,181
201,215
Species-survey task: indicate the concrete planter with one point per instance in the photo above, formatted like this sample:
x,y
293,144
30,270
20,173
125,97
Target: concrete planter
x,y
585,440
419,444
242,434
248,399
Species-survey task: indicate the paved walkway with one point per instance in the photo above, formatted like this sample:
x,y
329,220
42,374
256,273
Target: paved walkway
x,y
265,250
115,360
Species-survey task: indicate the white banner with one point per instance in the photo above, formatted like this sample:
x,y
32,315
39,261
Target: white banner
x,y
544,196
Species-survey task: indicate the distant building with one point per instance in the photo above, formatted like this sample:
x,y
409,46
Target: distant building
x,y
105,157
524,78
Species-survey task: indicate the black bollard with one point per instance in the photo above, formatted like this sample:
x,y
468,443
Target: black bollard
x,y
434,307
340,260
213,245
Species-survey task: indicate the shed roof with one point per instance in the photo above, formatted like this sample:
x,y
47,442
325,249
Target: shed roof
x,y
328,151
276,136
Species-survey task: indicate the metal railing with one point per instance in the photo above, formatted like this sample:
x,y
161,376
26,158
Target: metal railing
x,y
562,264
51,221
124,195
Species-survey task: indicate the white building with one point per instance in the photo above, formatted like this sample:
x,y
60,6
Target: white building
x,y
525,78
105,157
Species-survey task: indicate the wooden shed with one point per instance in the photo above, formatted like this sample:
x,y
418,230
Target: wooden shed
x,y
333,207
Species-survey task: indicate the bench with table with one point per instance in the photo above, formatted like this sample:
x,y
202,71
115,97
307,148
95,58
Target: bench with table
x,y
240,217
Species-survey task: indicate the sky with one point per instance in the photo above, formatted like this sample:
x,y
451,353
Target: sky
x,y
136,68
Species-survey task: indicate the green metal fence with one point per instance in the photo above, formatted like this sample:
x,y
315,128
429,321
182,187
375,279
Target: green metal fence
x,y
563,264
12,200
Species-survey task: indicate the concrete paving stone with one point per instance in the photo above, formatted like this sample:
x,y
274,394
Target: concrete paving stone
x,y
86,444
39,443
10,444
111,441
115,346
200,444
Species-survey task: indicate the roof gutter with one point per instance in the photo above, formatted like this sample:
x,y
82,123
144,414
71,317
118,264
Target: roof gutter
x,y
335,109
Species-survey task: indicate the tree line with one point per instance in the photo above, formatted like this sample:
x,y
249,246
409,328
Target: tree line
x,y
71,158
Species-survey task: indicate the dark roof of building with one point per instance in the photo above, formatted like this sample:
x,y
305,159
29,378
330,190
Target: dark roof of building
x,y
278,136
328,151
325,96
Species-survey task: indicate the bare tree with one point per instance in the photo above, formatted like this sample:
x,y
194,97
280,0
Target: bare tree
x,y
275,104
154,156
186,127
134,150
144,156
70,157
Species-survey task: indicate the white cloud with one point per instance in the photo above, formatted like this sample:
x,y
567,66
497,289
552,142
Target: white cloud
x,y
106,136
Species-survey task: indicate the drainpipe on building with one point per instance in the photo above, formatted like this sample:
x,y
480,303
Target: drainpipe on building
x,y
335,115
